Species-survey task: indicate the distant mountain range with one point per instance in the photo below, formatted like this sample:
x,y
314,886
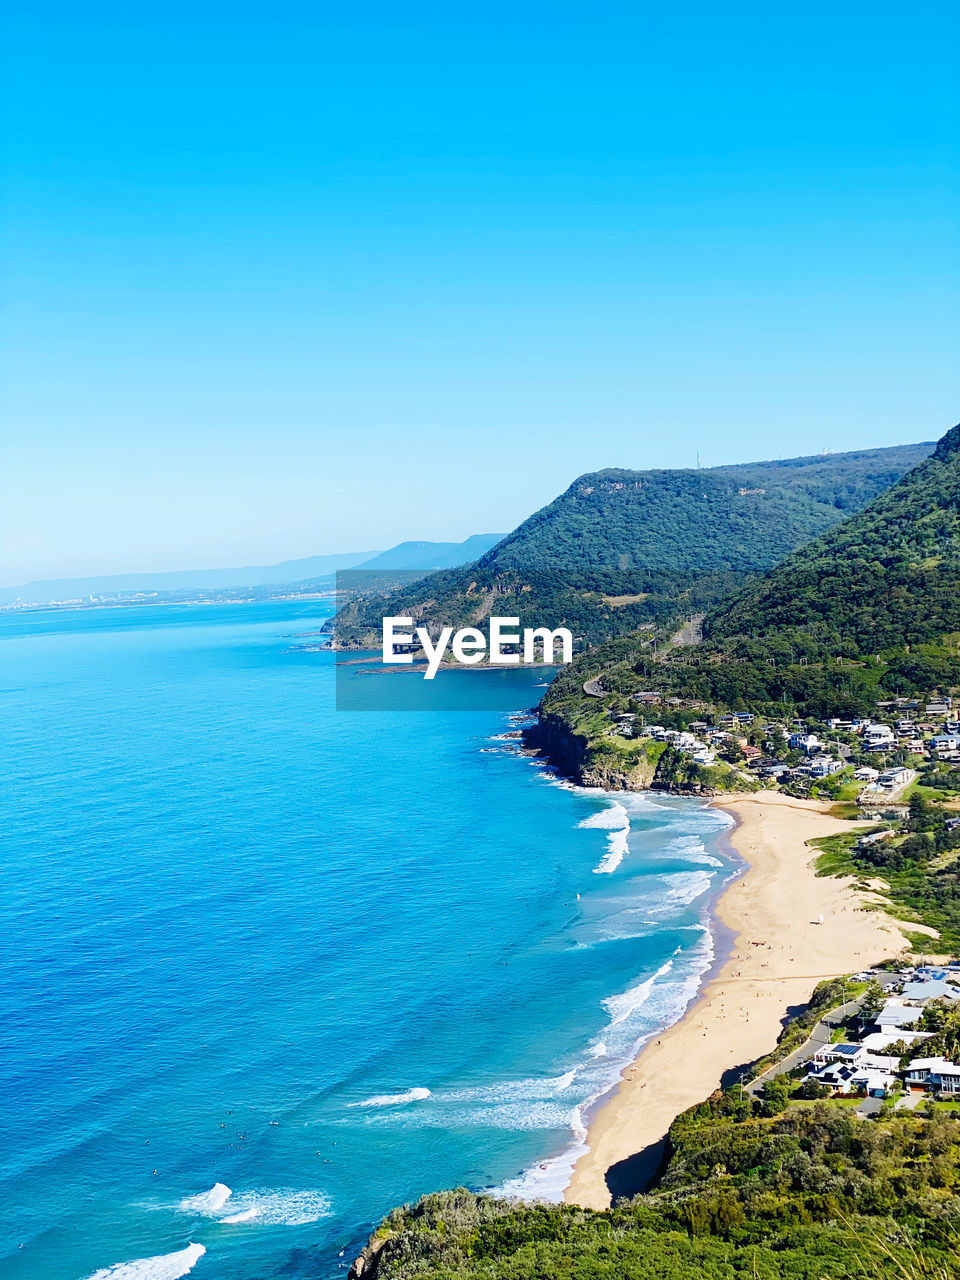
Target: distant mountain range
x,y
312,570
622,549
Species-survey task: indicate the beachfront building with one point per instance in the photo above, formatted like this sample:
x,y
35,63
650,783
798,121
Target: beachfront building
x,y
851,1068
938,1075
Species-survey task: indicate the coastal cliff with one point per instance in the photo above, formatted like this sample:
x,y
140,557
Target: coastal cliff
x,y
617,764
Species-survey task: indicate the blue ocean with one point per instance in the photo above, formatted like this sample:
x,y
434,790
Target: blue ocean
x,y
270,969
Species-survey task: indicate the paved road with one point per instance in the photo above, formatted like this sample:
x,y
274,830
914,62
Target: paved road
x,y
818,1037
593,688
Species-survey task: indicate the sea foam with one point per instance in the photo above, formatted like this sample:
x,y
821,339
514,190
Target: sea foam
x,y
165,1266
278,1207
282,1206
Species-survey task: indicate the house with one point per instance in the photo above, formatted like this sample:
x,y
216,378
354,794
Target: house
x,y
873,837
891,778
751,753
807,742
931,990
873,1084
853,1070
854,1055
866,774
824,766
896,1016
877,1041
878,736
937,1074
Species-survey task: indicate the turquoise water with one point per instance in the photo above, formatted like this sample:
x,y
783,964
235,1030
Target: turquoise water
x,y
327,960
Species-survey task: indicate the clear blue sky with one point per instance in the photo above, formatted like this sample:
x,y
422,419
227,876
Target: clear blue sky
x,y
290,279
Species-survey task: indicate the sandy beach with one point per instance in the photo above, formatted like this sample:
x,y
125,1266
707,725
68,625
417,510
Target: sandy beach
x,y
780,952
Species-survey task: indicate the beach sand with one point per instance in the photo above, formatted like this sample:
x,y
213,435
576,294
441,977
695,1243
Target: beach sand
x,y
779,954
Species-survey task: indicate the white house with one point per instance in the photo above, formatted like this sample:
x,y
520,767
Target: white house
x,y
877,1041
893,778
895,1016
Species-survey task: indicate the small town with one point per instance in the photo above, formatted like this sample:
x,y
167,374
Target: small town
x,y
884,1046
875,760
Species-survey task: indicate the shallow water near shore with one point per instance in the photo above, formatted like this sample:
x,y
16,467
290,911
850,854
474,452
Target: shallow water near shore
x,y
270,969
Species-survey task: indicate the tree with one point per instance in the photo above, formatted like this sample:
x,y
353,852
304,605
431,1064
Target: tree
x,y
776,1095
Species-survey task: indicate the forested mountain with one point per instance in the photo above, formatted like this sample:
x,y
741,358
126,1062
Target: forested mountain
x,y
871,607
620,549
887,578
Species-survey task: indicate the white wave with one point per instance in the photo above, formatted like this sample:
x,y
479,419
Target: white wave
x,y
686,886
617,848
613,819
393,1099
511,1090
620,1007
520,1116
278,1207
598,1050
208,1202
165,1266
550,1178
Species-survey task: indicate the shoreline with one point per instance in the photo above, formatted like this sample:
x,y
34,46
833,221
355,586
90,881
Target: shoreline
x,y
777,953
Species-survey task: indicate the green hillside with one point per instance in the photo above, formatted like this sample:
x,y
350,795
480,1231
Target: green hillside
x,y
869,609
887,578
623,549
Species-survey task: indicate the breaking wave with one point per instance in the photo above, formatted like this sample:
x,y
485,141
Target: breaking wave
x,y
621,1006
165,1266
281,1206
616,821
207,1202
393,1099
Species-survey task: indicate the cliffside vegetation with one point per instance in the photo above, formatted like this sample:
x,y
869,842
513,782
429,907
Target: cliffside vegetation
x,y
755,1189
